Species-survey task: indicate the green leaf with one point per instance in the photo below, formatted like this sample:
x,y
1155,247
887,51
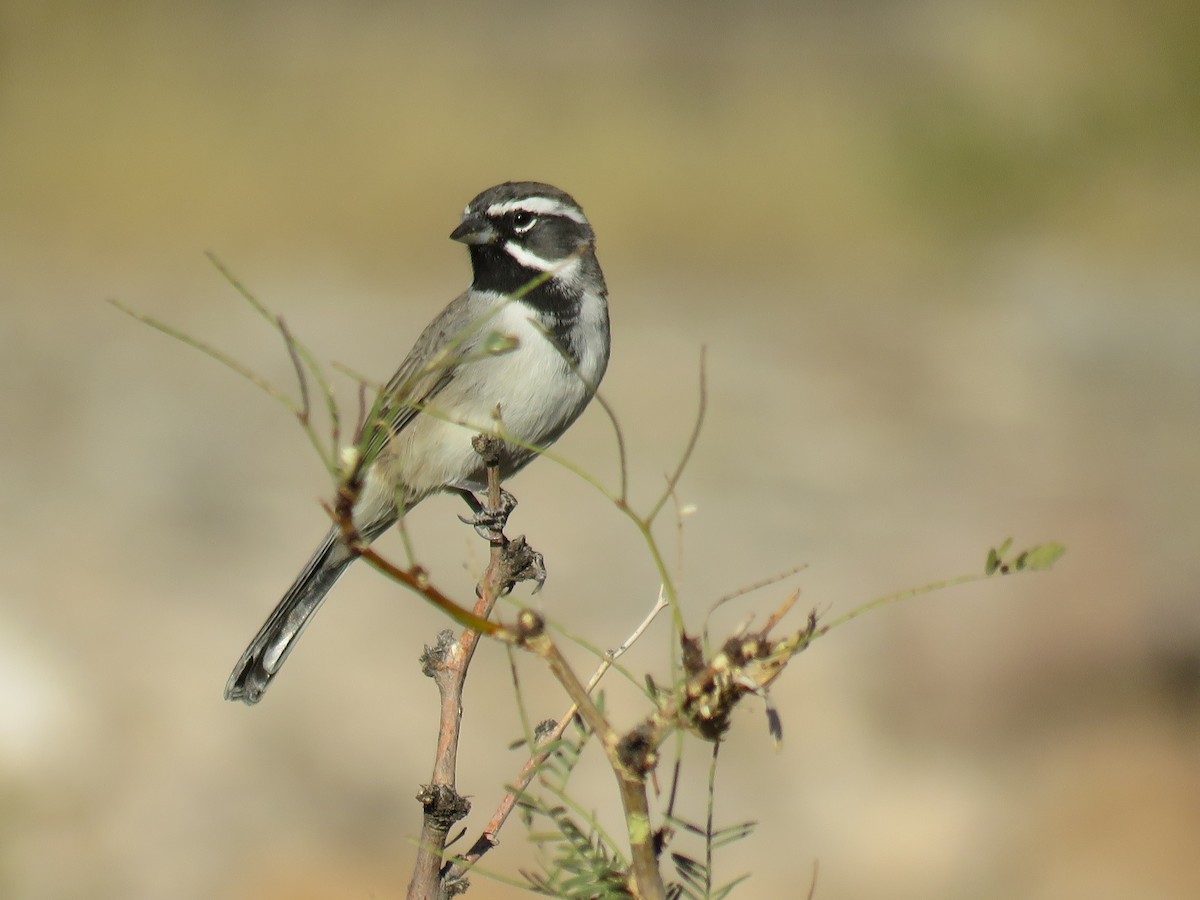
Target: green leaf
x,y
1042,557
722,892
993,562
732,833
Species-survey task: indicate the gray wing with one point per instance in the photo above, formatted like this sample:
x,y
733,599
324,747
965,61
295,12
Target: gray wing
x,y
454,337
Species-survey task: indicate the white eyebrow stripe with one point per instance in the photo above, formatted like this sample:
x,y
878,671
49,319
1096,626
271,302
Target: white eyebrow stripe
x,y
538,206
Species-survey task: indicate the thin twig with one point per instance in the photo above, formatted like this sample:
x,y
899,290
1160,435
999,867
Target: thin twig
x,y
418,581
295,348
237,285
415,578
674,477
681,514
208,350
620,435
626,758
659,605
898,597
361,419
301,378
749,589
429,873
489,838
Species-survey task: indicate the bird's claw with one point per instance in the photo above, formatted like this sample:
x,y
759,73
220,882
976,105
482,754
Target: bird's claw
x,y
525,563
489,523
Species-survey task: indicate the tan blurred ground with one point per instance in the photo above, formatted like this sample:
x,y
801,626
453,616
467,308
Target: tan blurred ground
x,y
944,258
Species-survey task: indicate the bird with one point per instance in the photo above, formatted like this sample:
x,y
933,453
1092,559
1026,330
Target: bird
x,y
519,354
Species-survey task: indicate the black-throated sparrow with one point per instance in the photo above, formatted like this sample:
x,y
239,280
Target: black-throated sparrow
x,y
529,337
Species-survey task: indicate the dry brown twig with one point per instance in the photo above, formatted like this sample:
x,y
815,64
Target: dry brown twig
x,y
489,837
447,663
746,664
702,696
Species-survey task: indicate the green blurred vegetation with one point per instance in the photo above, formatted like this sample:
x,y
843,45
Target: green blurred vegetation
x,y
771,134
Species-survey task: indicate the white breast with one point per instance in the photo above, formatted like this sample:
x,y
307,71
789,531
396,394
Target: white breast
x,y
538,390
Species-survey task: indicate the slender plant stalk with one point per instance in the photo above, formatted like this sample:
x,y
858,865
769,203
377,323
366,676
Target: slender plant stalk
x,y
701,703
646,878
489,837
450,676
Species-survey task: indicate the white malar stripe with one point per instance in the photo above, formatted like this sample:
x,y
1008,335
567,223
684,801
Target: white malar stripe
x,y
539,206
563,269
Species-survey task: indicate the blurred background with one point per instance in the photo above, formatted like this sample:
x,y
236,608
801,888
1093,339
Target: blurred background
x,y
943,257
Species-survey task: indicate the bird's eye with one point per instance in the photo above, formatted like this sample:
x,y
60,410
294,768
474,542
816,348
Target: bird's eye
x,y
522,221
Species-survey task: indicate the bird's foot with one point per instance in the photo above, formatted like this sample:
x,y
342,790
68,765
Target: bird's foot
x,y
518,562
523,563
489,523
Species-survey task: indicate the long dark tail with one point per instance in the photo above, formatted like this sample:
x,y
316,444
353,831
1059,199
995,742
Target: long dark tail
x,y
274,641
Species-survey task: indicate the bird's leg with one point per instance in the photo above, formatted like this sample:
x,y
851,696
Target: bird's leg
x,y
517,561
512,561
488,523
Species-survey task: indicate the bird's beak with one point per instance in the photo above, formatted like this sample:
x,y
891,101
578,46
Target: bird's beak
x,y
475,230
